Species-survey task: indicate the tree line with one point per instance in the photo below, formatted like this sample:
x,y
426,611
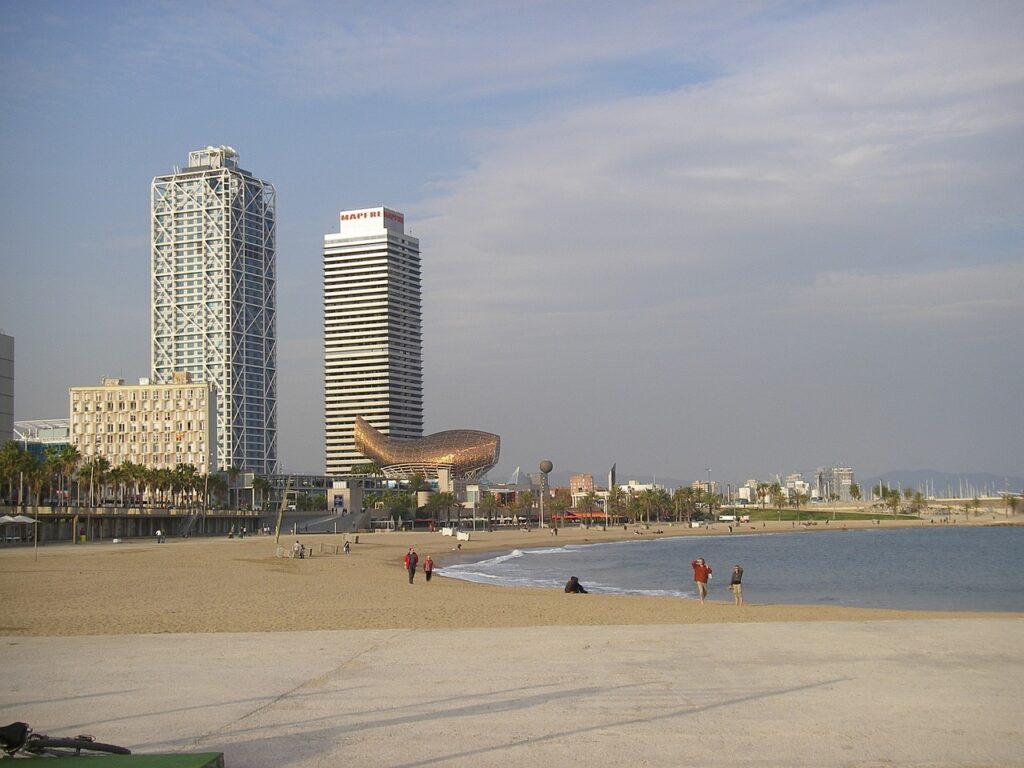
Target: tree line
x,y
62,470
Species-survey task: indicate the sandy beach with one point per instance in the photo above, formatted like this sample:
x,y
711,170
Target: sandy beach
x,y
239,585
219,645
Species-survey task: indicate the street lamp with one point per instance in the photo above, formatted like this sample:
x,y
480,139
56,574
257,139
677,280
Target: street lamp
x,y
545,467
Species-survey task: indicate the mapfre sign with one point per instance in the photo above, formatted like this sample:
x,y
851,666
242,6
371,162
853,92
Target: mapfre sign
x,y
384,216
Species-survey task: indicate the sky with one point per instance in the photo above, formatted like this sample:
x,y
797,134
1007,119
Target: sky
x,y
756,237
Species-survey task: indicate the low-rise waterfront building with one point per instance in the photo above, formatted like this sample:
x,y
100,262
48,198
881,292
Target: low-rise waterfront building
x,y
155,425
37,435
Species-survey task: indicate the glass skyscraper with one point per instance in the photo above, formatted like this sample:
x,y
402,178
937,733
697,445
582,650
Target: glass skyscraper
x,y
214,297
373,364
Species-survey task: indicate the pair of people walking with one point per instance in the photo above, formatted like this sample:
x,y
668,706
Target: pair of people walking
x,y
411,561
702,573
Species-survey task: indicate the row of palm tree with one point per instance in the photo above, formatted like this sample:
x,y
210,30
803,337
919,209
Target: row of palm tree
x,y
26,477
23,476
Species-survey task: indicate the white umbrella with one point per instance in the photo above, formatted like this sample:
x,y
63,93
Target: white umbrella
x,y
23,519
5,519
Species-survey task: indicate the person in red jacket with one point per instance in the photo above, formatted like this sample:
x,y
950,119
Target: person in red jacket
x,y
701,574
410,560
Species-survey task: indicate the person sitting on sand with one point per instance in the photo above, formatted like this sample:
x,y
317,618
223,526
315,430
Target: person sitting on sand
x,y
573,586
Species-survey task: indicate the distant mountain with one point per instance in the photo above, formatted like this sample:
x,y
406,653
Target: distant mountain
x,y
946,484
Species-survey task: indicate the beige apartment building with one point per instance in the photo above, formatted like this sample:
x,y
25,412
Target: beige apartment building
x,y
156,425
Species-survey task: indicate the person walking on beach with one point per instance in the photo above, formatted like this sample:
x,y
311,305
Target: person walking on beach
x,y
736,585
428,567
701,574
411,559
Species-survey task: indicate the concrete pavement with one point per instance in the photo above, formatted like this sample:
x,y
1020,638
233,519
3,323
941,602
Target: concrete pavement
x,y
906,693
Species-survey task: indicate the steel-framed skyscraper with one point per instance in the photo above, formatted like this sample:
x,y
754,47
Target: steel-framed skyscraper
x,y
214,297
373,337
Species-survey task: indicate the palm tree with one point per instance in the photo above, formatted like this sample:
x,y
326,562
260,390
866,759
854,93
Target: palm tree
x,y
70,457
524,504
51,461
764,490
917,503
646,501
448,501
163,481
10,461
712,500
96,470
148,478
416,483
588,502
892,500
778,495
488,503
634,508
36,474
215,485
976,504
433,507
262,485
682,498
560,504
118,476
186,481
233,473
854,491
798,499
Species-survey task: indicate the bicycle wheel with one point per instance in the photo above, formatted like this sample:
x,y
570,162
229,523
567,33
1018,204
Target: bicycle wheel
x,y
78,745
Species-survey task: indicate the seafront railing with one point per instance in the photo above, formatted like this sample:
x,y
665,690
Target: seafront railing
x,y
72,523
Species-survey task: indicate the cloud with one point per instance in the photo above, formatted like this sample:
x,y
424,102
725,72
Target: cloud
x,y
766,176
744,243
937,299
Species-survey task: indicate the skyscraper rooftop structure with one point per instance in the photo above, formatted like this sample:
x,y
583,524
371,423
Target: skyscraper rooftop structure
x,y
214,297
373,360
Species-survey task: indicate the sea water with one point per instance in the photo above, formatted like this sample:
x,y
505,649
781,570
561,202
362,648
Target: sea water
x,y
948,568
